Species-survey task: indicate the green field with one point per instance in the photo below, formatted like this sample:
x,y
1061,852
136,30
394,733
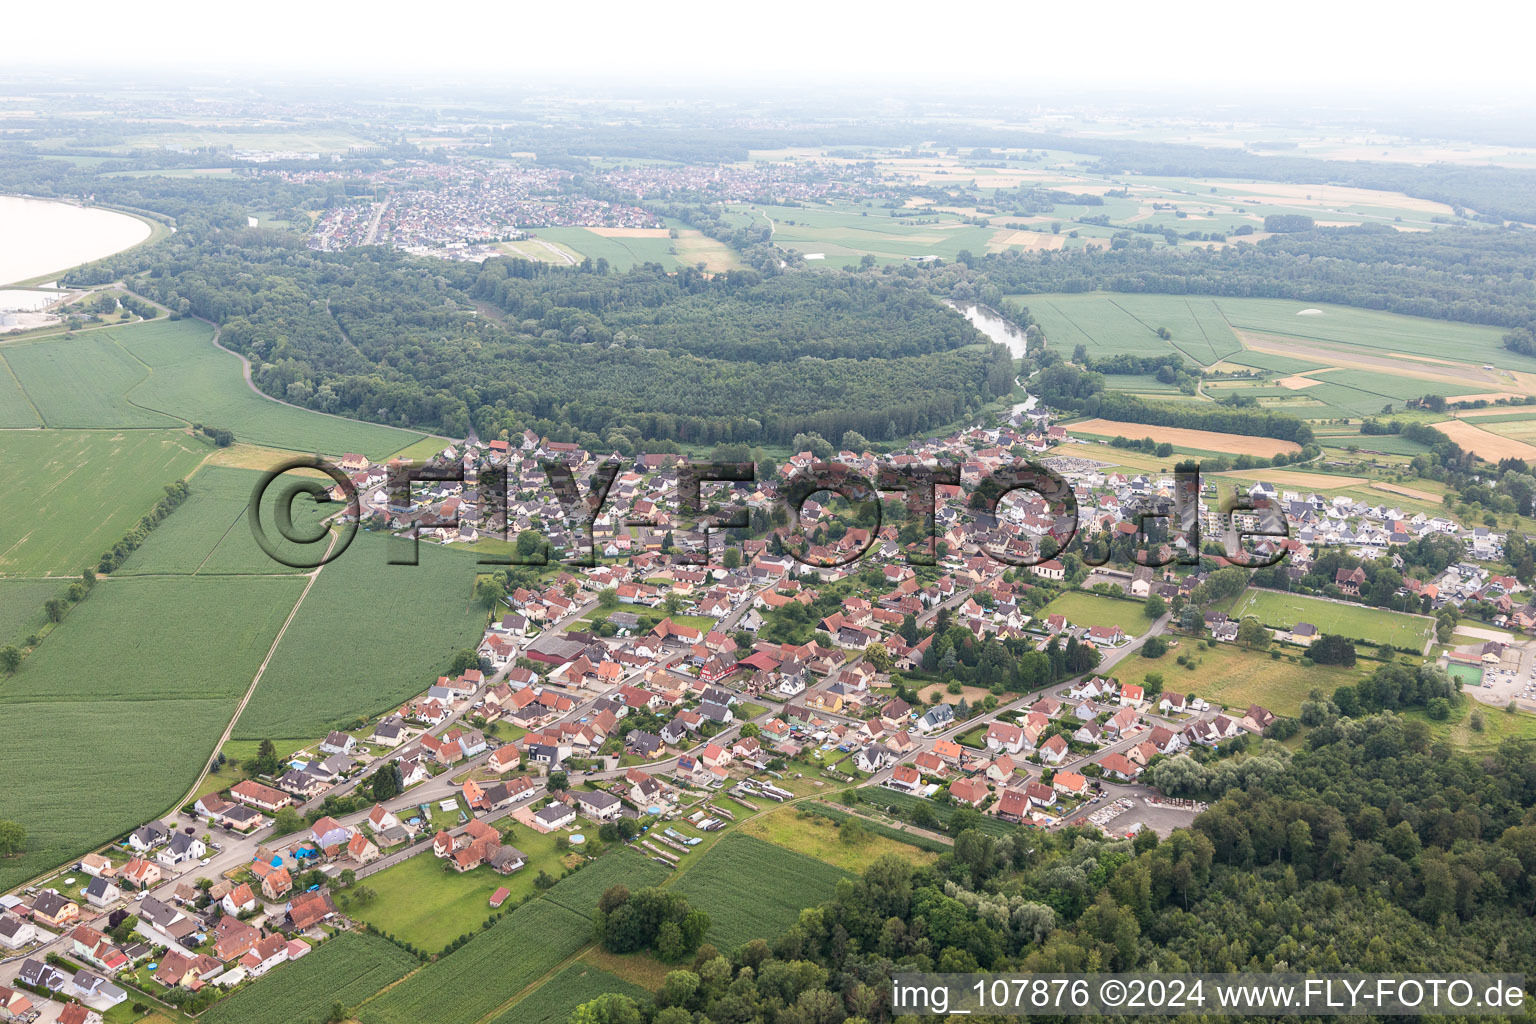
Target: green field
x,y
1467,675
72,494
16,409
905,804
581,891
817,835
109,721
555,1000
423,902
478,978
158,638
1499,725
210,534
754,890
1085,609
1235,677
187,378
1374,625
370,635
78,773
82,381
347,969
845,232
21,607
621,253
1209,330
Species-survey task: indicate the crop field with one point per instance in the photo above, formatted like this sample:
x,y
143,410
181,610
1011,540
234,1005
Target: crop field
x,y
82,381
1235,678
581,891
818,836
621,252
190,379
421,903
477,978
21,607
541,250
1332,360
554,1001
210,534
1374,625
346,969
129,640
754,890
1181,437
1486,443
1084,609
16,409
77,773
72,494
694,246
844,233
368,636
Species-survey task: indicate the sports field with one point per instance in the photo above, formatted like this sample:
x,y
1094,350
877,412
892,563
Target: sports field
x,y
1085,609
1374,625
72,494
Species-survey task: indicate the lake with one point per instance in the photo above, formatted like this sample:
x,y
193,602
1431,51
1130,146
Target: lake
x,y
994,327
41,237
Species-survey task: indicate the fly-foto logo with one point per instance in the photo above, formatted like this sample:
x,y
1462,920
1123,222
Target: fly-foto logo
x,y
1162,530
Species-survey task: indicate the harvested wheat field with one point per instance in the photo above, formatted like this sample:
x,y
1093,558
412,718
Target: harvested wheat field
x,y
1484,444
1181,437
1031,240
1292,478
1298,382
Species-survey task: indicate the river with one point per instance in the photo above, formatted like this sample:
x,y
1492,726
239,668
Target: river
x,y
994,327
41,237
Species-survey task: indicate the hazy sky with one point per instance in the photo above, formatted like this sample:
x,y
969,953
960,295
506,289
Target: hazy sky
x,y
1279,48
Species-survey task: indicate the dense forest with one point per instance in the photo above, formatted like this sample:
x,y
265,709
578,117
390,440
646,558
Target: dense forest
x,y
1374,847
610,360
